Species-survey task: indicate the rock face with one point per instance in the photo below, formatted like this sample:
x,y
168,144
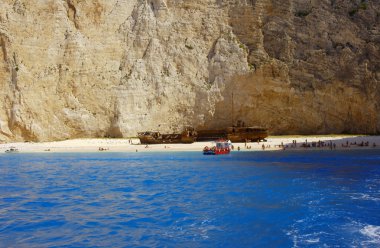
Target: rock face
x,y
96,68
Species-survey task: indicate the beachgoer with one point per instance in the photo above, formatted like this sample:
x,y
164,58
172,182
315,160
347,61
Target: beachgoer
x,y
263,147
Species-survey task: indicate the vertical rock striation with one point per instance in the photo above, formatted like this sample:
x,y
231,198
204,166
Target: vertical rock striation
x,y
71,68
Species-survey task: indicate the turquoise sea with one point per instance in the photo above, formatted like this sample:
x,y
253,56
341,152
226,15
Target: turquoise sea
x,y
245,199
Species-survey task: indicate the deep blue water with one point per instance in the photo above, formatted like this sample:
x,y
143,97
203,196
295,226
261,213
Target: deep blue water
x,y
258,199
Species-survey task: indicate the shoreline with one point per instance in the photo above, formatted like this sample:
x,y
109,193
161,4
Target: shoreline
x,y
273,143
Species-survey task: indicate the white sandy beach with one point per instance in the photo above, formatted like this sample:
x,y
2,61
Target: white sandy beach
x,y
124,145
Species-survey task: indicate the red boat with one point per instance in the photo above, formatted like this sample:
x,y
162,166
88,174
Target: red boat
x,y
220,147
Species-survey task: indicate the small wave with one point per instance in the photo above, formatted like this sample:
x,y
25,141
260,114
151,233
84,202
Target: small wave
x,y
306,239
312,241
372,232
364,197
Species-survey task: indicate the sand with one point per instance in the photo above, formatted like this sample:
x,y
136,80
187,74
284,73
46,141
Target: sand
x,y
133,145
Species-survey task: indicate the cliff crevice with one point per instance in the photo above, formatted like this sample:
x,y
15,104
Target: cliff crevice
x,y
71,69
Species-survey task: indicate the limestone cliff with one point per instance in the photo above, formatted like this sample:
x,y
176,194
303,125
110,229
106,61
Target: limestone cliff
x,y
96,68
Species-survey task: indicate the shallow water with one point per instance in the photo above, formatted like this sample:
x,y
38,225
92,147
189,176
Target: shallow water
x,y
258,199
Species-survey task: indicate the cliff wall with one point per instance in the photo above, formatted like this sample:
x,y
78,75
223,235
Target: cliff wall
x,y
97,68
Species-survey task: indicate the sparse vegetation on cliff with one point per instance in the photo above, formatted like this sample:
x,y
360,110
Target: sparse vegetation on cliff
x,y
189,47
362,6
294,66
302,13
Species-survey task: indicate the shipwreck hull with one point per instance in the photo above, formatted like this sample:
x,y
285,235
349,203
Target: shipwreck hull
x,y
246,137
234,134
209,135
157,138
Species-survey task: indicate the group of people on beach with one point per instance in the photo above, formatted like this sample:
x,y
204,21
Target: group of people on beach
x,y
329,144
362,144
307,144
265,147
318,144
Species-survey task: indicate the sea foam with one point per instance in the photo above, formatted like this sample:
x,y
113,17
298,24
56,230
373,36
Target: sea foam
x,y
372,232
